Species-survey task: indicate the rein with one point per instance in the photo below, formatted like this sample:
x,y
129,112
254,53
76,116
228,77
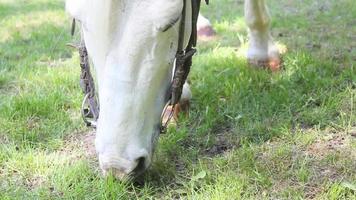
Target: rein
x,y
183,61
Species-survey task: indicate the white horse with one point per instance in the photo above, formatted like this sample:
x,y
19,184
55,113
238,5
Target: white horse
x,y
133,56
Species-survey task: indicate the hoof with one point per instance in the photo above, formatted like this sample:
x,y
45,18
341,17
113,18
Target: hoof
x,y
273,64
171,115
182,108
206,33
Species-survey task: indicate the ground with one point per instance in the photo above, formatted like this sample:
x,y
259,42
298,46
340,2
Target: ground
x,y
251,134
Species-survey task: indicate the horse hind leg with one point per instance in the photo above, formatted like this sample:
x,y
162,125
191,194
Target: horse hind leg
x,y
262,51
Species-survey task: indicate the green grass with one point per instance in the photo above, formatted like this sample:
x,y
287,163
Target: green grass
x,y
251,134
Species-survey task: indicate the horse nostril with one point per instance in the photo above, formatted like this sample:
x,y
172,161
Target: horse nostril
x,y
141,166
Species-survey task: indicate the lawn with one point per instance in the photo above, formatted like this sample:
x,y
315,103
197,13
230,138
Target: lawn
x,y
251,134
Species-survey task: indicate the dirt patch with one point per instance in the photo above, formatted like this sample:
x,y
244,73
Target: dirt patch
x,y
180,166
83,142
333,143
352,132
223,143
3,139
34,182
312,190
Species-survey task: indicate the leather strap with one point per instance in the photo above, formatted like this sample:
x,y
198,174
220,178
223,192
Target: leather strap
x,y
184,57
90,106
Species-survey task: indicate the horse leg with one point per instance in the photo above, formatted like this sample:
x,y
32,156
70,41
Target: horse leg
x,y
181,108
205,29
262,51
184,103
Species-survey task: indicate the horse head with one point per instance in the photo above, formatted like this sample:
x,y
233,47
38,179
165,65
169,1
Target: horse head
x,y
132,45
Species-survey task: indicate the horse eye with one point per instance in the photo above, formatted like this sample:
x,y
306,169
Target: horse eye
x,y
170,24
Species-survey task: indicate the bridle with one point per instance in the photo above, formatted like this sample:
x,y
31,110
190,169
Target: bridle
x,y
183,61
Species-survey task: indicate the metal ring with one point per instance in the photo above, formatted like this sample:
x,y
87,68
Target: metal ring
x,y
85,115
165,124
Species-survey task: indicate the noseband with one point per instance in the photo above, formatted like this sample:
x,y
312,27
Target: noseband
x,y
183,62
